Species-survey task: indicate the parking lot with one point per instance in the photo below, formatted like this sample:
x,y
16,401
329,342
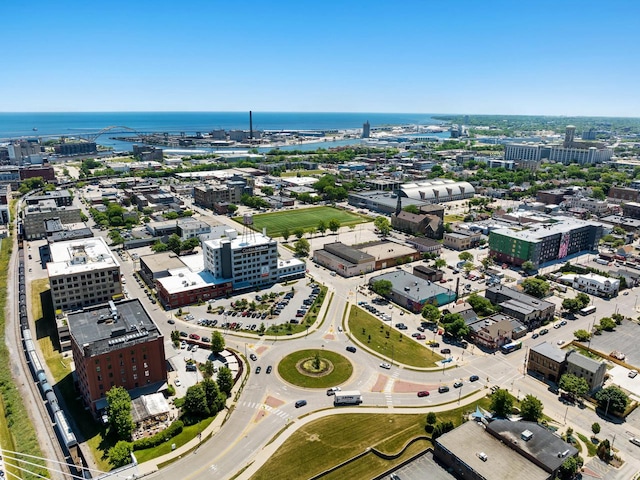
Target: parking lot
x,y
624,339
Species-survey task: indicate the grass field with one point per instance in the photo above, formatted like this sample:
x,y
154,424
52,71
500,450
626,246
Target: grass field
x,y
305,218
329,441
372,332
341,372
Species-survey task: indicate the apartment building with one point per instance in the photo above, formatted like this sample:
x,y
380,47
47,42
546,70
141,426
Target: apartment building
x,y
83,273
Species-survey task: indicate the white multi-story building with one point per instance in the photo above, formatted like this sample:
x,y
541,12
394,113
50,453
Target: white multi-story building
x,y
594,284
249,260
582,156
83,272
599,207
523,151
192,228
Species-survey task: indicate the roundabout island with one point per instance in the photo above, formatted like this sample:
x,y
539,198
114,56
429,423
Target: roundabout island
x,y
315,368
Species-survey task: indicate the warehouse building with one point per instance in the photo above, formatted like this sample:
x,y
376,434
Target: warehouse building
x,y
413,293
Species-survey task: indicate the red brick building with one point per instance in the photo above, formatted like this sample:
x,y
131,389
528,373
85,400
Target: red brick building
x,y
45,171
116,345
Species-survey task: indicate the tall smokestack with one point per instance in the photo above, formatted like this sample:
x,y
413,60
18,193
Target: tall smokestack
x,y
250,125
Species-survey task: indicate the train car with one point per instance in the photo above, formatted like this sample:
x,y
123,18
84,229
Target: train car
x,y
26,334
45,387
52,400
64,430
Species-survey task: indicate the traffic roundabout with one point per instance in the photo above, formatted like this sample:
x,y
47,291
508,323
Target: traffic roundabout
x,y
315,368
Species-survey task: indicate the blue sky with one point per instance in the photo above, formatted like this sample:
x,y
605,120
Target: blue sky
x,y
503,57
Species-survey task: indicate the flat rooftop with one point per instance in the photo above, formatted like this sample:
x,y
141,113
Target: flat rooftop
x,y
79,256
539,232
384,250
242,241
183,280
502,463
547,350
97,330
412,287
159,262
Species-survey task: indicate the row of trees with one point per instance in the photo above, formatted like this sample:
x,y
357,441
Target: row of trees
x,y
333,225
176,244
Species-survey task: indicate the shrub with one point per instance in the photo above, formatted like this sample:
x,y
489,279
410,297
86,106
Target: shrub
x,y
171,431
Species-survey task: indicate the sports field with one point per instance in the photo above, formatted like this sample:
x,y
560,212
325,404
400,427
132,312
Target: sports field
x,y
305,218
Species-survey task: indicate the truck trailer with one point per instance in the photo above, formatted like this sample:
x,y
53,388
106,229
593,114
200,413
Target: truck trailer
x,y
353,397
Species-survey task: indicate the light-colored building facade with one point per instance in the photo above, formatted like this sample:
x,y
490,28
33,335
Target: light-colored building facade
x,y
36,216
595,284
589,369
82,273
461,240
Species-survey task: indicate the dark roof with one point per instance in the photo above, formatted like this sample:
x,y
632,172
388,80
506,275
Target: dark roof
x,y
544,446
96,332
412,217
549,351
528,300
428,242
348,253
586,363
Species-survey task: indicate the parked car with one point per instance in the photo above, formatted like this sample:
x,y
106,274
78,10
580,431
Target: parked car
x,y
258,369
446,351
184,334
544,331
194,336
474,378
457,385
333,390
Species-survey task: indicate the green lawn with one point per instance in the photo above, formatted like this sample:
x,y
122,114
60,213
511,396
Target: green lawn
x,y
329,441
305,218
306,173
341,372
385,340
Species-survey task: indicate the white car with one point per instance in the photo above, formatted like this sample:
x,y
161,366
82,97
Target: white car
x,y
560,342
183,345
632,373
177,382
385,365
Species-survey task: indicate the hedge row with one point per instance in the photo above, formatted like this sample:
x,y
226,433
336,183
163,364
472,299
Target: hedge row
x,y
171,431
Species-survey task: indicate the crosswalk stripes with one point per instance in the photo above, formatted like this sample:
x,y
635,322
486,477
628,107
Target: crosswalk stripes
x,y
389,399
267,408
213,467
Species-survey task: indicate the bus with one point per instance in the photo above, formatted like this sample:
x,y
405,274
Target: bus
x,y
588,310
511,347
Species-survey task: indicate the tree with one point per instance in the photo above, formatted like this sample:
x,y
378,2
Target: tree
x,y
612,399
411,209
598,193
528,266
481,305
262,329
570,467
430,313
120,454
457,328
465,257
584,299
322,227
595,428
174,243
382,287
268,191
116,237
225,380
119,411
531,408
487,262
208,370
232,208
302,247
299,233
535,287
439,263
582,335
573,385
286,234
571,305
217,342
214,397
383,225
608,324
334,225
195,402
501,403
159,247
604,450
431,418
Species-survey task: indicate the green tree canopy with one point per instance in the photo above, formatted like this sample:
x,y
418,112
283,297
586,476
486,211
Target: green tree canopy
x,y
466,257
617,400
574,385
217,342
430,313
382,287
383,225
225,380
214,397
119,411
322,227
457,328
535,287
608,324
501,403
334,225
299,232
582,335
528,266
531,408
286,234
120,454
481,305
411,209
439,263
571,305
195,402
302,247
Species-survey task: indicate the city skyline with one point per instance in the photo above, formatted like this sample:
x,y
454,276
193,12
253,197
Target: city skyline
x,y
497,57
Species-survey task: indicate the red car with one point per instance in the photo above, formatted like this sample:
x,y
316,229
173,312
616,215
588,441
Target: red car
x,y
194,336
423,393
420,337
444,280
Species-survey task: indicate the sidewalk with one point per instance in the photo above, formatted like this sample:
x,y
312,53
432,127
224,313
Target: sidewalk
x,y
214,427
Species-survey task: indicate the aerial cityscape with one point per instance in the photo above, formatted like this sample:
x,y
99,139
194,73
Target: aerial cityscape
x,y
248,241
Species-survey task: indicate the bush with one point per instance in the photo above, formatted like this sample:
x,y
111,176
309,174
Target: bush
x,y
171,431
